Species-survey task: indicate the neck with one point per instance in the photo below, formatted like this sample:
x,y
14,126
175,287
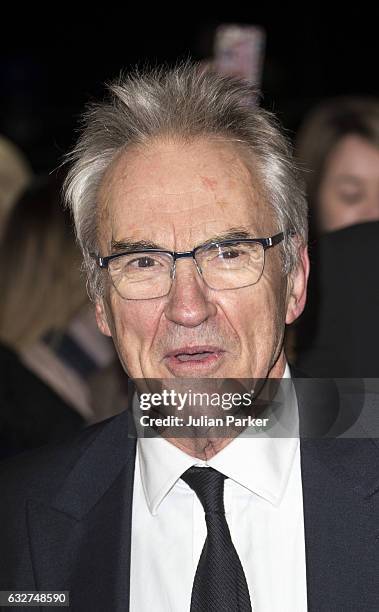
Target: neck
x,y
201,448
205,448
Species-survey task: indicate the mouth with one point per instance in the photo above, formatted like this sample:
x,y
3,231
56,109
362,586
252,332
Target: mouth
x,y
193,359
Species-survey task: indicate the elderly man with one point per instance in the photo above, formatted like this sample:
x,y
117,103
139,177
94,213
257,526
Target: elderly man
x,y
193,229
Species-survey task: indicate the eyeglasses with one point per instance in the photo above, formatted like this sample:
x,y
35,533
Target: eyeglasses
x,y
148,273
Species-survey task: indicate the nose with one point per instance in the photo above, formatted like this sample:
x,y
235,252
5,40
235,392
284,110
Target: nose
x,y
189,302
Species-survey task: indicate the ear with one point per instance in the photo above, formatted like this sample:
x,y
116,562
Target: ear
x,y
297,287
101,318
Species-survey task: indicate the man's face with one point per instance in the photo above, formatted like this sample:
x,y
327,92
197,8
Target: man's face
x,y
178,196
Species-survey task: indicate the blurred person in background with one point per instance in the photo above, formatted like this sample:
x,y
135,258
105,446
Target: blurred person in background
x,y
51,351
338,147
15,174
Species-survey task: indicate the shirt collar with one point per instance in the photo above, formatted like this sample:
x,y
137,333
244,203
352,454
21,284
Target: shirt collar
x,y
260,464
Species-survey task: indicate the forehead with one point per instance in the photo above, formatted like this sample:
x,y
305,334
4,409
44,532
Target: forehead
x,y
355,155
173,192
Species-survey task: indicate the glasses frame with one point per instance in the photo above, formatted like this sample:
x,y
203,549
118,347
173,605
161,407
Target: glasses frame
x,y
266,243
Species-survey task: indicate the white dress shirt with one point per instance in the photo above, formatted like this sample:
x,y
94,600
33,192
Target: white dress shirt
x,y
264,511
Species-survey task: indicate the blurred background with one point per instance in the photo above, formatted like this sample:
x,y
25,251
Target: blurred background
x,y
54,60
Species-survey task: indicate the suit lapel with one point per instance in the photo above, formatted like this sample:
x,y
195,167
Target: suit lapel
x,y
81,538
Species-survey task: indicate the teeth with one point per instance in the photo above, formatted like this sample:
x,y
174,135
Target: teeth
x,y
192,357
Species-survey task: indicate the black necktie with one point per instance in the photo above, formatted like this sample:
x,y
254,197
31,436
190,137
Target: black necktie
x,y
220,583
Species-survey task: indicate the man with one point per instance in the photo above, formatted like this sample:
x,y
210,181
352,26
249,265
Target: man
x,y
193,229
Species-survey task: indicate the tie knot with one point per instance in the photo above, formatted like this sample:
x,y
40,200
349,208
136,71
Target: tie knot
x,y
208,485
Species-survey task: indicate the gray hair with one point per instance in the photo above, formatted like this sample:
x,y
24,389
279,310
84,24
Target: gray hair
x,y
184,102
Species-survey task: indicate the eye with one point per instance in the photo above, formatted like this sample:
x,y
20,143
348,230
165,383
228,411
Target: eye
x,y
234,251
351,198
143,262
138,263
229,253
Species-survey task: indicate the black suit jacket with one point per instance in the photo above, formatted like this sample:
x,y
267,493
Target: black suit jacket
x,y
65,520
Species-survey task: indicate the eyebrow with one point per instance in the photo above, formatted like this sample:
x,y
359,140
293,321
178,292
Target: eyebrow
x,y
126,244
120,246
235,233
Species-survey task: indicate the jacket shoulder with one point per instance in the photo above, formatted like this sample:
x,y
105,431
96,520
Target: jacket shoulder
x,y
41,471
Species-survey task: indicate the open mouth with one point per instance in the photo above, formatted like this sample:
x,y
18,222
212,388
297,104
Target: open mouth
x,y
196,357
193,356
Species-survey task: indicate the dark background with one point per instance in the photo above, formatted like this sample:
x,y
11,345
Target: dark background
x,y
54,60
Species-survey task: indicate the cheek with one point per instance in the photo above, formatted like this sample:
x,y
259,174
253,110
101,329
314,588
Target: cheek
x,y
333,212
135,325
256,317
327,208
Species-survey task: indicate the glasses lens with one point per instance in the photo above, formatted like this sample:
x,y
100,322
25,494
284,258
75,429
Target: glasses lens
x,y
138,276
232,266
